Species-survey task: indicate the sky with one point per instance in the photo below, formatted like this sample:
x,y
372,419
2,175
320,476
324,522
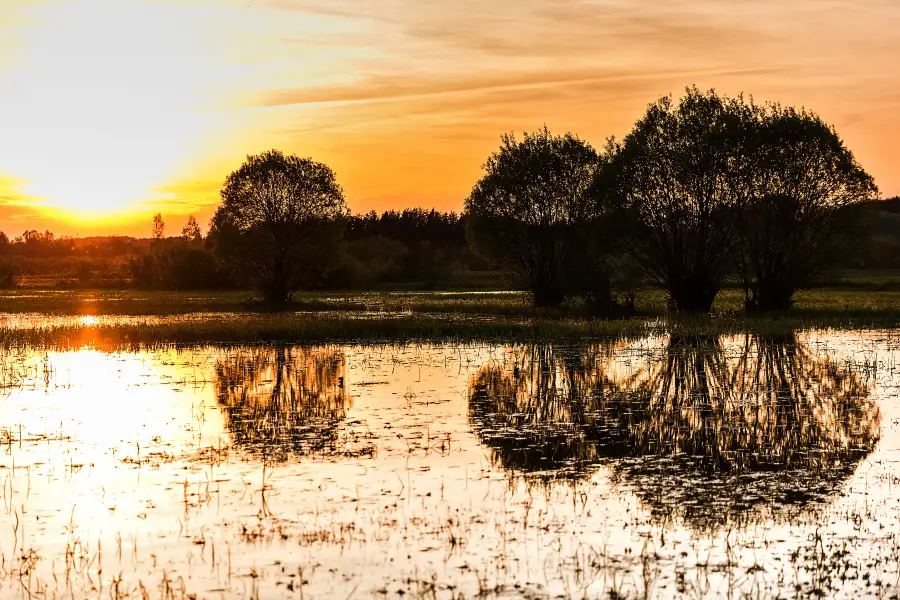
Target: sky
x,y
114,110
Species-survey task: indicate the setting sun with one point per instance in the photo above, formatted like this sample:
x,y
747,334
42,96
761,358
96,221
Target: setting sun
x,y
108,100
113,110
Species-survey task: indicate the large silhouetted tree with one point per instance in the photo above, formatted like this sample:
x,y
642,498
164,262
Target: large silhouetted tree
x,y
674,178
531,215
277,214
801,212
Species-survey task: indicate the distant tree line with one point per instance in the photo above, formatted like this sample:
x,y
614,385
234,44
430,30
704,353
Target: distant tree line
x,y
410,248
704,192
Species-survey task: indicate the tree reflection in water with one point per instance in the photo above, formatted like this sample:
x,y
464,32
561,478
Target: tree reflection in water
x,y
281,401
534,412
708,432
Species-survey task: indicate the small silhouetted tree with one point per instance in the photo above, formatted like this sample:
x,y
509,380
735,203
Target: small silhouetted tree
x,y
530,213
277,214
673,178
804,206
191,230
159,227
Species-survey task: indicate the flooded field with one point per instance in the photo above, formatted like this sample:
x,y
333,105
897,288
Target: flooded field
x,y
673,466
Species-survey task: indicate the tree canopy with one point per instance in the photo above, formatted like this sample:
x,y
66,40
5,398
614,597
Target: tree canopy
x,y
530,212
805,191
277,212
673,180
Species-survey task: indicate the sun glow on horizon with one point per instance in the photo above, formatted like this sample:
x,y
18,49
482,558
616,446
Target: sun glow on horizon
x,y
105,100
114,110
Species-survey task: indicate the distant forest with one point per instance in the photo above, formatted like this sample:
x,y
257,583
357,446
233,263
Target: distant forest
x,y
408,249
415,248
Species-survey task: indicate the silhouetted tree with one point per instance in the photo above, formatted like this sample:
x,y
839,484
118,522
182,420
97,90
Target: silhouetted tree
x,y
801,212
531,215
275,211
191,230
673,177
159,227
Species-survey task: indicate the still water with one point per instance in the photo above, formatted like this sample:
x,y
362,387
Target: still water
x,y
662,467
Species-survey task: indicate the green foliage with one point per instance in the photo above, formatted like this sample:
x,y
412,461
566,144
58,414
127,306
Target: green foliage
x,y
277,215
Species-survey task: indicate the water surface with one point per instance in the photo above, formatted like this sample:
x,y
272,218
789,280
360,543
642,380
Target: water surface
x,y
661,467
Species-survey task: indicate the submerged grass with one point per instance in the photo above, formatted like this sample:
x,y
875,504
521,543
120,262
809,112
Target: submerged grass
x,y
649,303
402,317
334,328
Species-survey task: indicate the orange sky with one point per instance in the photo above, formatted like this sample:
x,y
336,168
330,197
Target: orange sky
x,y
112,110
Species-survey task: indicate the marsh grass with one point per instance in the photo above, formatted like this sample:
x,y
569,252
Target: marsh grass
x,y
402,317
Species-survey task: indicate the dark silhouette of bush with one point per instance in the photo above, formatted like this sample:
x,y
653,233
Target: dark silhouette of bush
x,y
277,212
674,184
531,215
804,206
880,249
190,268
9,276
177,264
146,271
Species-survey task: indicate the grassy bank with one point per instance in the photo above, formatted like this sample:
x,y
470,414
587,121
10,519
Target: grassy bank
x,y
399,317
819,303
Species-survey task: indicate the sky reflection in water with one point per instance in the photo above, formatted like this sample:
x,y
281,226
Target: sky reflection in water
x,y
677,464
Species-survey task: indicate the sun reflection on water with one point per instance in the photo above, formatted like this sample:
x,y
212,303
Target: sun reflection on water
x,y
232,464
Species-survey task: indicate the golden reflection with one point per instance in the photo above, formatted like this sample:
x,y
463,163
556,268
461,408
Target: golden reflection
x,y
149,396
776,404
532,412
710,431
283,401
